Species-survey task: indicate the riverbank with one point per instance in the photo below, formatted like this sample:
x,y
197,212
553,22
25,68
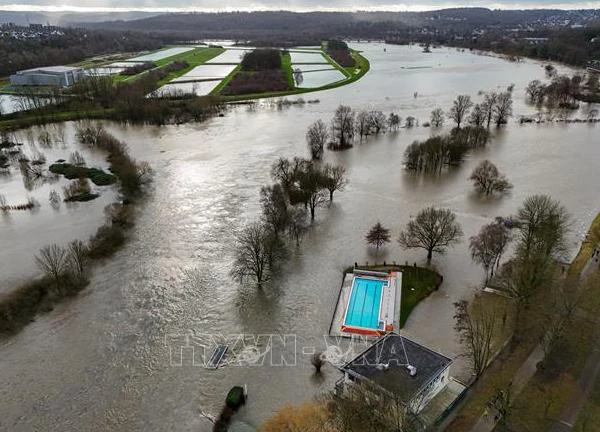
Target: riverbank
x,y
547,392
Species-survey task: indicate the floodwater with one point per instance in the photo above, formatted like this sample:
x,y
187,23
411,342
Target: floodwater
x,y
162,54
110,358
13,103
312,79
27,231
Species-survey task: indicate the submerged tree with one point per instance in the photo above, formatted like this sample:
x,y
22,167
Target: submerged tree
x,y
256,254
377,122
342,128
460,109
378,235
477,117
487,179
363,124
274,207
437,118
317,137
503,108
311,182
296,226
475,328
433,230
489,102
334,179
394,121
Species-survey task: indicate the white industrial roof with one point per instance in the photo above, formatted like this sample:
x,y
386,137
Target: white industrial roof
x,y
55,69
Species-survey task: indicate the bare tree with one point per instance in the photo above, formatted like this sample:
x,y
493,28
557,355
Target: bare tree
x,y
334,179
377,121
285,171
437,118
274,207
394,121
433,230
296,223
317,137
536,91
489,102
342,128
362,407
363,124
487,179
477,117
312,181
542,224
409,122
460,109
53,261
255,254
503,108
476,328
488,246
77,256
378,235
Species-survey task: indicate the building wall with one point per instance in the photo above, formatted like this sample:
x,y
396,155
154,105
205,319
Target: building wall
x,y
433,388
58,79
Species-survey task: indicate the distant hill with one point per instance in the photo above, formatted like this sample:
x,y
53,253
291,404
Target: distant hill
x,y
354,24
68,18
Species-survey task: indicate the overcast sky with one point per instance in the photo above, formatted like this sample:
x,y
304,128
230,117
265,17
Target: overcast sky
x,y
296,5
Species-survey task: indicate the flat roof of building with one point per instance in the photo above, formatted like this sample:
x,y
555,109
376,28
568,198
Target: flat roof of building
x,y
55,69
385,363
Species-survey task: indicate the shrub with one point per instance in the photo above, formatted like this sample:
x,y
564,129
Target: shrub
x,y
106,241
70,171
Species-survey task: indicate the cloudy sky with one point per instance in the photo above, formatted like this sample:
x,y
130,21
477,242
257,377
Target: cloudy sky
x,y
296,5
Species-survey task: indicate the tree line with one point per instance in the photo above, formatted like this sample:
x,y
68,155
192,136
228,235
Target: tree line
x,y
70,45
563,91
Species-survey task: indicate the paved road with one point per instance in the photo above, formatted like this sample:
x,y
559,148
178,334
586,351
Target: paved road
x,y
487,422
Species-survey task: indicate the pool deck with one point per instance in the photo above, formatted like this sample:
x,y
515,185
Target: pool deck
x,y
337,321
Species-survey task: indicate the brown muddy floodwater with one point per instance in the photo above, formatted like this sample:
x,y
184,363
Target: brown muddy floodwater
x,y
111,358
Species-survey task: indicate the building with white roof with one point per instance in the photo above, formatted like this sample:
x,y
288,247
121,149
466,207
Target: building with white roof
x,y
58,76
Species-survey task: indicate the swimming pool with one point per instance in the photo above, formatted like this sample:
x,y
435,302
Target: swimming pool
x,y
365,303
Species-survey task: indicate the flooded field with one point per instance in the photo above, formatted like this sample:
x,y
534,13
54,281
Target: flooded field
x,y
112,358
48,222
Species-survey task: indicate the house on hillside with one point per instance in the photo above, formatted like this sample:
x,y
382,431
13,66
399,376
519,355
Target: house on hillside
x,y
401,369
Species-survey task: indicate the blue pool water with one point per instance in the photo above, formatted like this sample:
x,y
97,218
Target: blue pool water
x,y
363,307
